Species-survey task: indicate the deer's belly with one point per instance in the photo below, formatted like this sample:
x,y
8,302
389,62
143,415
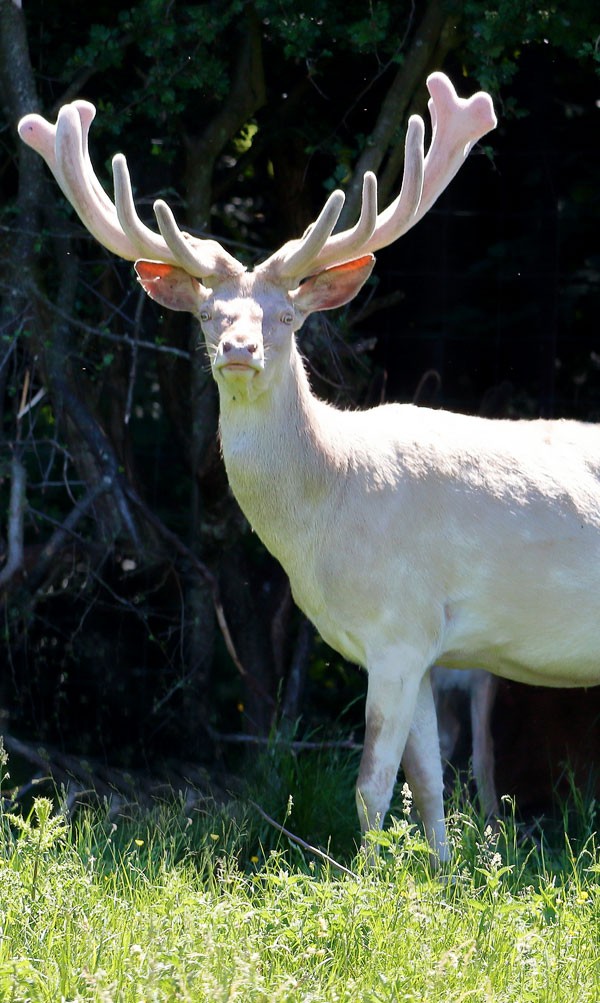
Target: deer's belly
x,y
541,639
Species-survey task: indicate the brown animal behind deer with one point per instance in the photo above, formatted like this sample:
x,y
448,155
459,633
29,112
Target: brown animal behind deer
x,y
410,536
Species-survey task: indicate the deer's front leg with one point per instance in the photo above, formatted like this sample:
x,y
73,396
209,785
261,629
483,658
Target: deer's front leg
x,y
392,692
422,766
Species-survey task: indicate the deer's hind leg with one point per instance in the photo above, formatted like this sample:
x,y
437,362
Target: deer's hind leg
x,y
422,764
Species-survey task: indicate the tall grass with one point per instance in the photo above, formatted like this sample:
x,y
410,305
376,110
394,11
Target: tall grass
x,y
210,906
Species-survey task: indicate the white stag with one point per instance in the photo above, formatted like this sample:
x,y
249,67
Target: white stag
x,y
410,536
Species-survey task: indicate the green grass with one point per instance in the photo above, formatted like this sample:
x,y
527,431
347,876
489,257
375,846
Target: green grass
x,y
210,906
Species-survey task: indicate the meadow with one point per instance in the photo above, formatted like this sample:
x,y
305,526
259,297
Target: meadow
x,y
211,903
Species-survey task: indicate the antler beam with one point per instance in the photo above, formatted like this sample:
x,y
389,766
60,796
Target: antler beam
x,y
116,226
457,124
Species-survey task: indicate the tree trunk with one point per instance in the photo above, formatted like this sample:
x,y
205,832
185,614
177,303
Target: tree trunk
x,y
392,117
246,95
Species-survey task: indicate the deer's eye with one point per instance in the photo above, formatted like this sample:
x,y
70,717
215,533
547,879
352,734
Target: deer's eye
x,y
287,317
204,315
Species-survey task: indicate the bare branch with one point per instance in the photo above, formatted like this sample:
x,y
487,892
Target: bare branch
x,y
134,358
374,305
98,332
208,577
301,842
296,679
297,745
64,534
14,560
80,780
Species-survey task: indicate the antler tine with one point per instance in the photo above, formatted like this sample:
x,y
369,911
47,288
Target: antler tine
x,y
371,230
146,243
340,246
87,114
295,259
200,258
318,248
40,135
82,187
401,214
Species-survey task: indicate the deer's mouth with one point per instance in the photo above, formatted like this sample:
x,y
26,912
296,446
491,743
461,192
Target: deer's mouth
x,y
238,372
236,367
245,369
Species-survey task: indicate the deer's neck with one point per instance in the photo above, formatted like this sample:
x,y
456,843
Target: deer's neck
x,y
282,459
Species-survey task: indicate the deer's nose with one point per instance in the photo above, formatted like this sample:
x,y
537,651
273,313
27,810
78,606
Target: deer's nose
x,y
249,346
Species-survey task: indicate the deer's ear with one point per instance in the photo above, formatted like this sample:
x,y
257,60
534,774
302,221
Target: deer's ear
x,y
170,286
334,286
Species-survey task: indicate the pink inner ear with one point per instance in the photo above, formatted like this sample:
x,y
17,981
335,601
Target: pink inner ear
x,y
351,266
172,287
334,286
152,269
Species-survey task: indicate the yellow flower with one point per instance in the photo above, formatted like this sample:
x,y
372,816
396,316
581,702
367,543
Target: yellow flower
x,y
139,842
